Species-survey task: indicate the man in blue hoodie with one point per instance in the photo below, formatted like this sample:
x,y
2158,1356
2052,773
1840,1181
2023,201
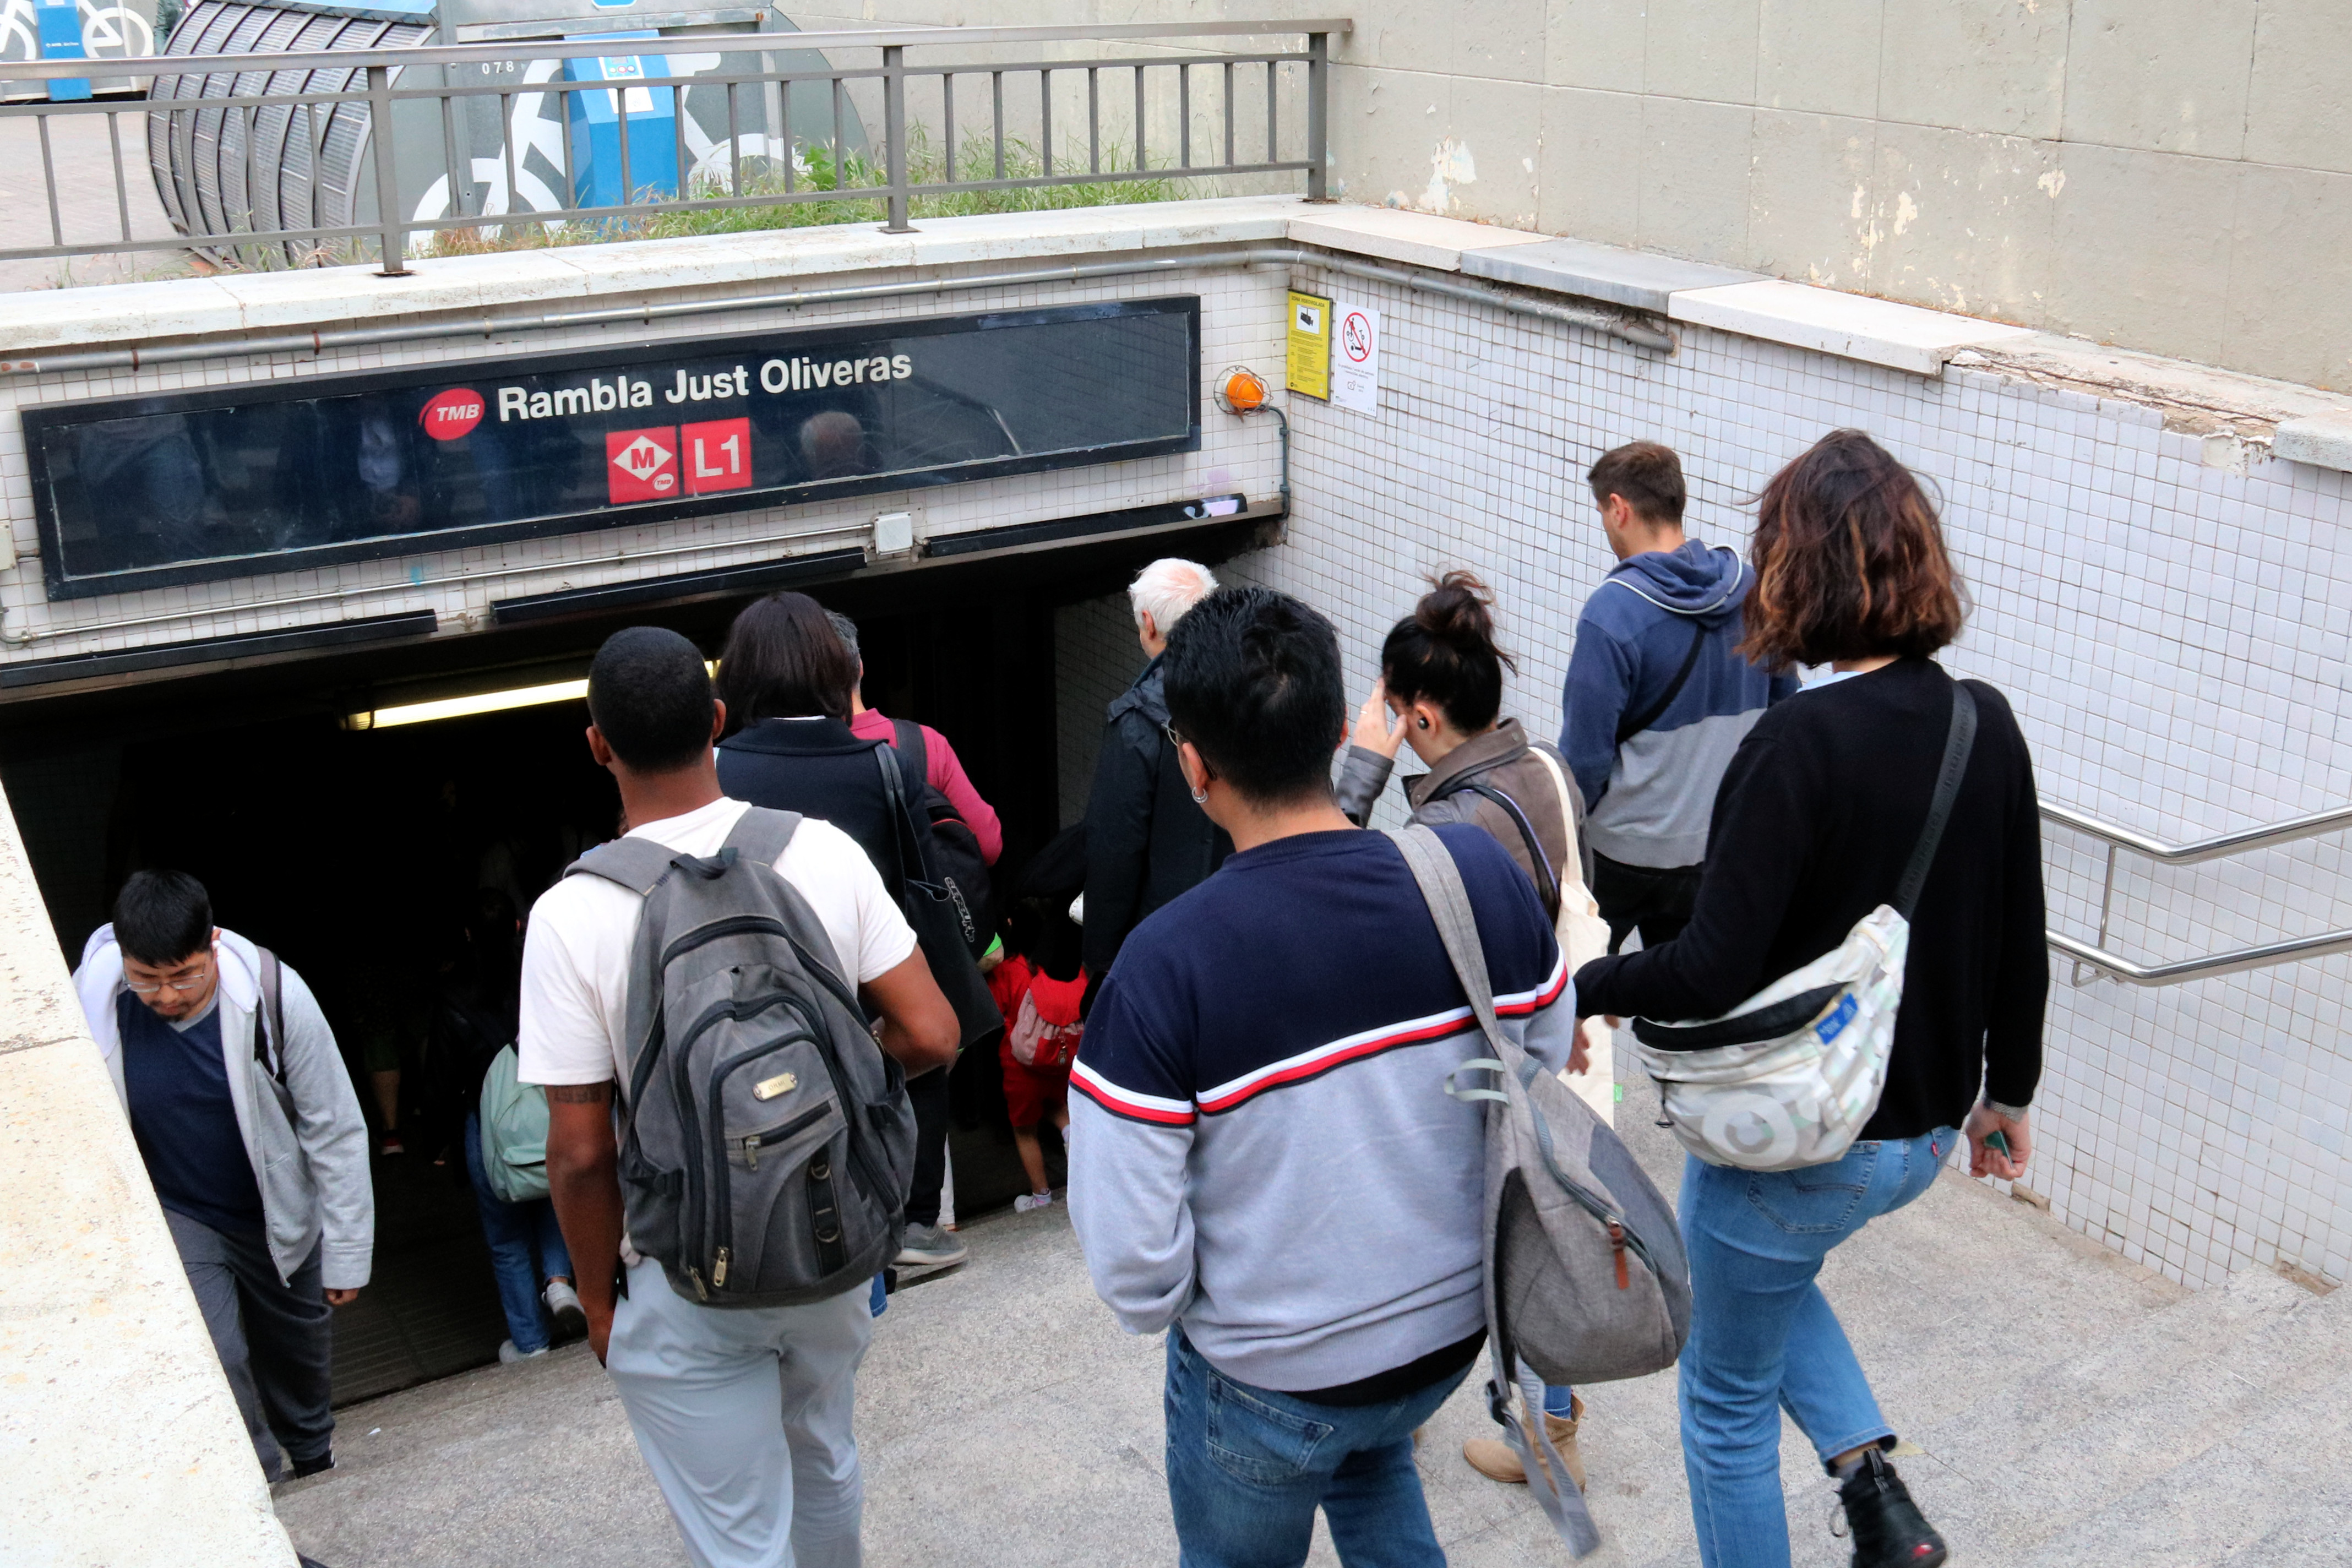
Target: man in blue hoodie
x,y
1658,695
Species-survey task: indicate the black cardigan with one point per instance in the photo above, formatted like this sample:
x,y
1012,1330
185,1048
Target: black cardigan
x,y
1813,823
818,768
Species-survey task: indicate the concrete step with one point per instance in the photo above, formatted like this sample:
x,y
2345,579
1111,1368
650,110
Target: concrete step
x,y
2016,1403
2128,1416
2277,1490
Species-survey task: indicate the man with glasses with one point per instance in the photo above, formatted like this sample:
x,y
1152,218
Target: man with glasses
x,y
252,1135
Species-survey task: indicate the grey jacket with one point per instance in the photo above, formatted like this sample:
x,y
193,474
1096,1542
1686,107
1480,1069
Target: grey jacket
x,y
1498,759
306,1139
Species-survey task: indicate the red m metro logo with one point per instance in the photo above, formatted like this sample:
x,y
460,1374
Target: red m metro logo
x,y
641,465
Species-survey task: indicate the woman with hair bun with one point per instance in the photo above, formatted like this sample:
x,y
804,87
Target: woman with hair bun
x,y
1442,678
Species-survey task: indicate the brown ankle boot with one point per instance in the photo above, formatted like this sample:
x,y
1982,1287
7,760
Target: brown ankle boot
x,y
1495,1458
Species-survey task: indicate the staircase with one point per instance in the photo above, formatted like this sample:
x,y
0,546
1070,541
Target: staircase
x,y
2068,1408
2061,1407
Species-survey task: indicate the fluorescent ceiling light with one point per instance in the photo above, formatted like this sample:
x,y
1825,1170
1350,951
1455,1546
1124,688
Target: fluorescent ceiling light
x,y
480,702
462,706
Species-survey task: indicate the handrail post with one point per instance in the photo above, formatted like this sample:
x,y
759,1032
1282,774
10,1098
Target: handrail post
x,y
894,129
387,173
1319,94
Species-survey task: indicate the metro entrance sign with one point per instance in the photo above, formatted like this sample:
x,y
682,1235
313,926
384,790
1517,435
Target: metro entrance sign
x,y
277,476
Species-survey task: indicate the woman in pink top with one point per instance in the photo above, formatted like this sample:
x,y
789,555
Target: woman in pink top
x,y
941,770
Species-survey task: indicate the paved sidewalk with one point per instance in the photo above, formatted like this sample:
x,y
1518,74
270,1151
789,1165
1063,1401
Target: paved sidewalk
x,y
92,207
1006,1421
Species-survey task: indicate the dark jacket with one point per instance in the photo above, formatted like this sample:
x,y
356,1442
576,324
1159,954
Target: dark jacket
x,y
1499,759
816,767
1817,816
1146,839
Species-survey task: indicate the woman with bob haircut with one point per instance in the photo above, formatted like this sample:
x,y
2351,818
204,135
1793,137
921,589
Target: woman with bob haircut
x,y
786,677
1817,815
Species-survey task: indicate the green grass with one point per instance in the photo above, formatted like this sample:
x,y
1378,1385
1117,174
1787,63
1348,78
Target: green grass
x,y
815,170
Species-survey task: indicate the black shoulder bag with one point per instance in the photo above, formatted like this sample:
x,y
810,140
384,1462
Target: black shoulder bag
x,y
933,910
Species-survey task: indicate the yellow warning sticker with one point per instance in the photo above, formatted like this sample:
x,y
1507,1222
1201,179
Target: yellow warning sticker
x,y
1307,367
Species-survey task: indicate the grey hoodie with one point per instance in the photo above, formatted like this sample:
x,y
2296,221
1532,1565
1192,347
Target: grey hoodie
x,y
1652,794
305,1138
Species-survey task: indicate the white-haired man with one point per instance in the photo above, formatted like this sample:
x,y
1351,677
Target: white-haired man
x,y
1147,838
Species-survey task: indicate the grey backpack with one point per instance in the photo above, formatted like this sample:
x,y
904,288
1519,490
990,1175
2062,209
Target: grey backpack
x,y
766,1140
1585,1277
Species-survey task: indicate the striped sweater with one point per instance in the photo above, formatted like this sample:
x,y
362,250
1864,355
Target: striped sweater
x,y
1261,1143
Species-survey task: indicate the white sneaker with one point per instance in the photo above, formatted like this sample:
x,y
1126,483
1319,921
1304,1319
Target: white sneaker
x,y
1028,1202
564,1306
509,1354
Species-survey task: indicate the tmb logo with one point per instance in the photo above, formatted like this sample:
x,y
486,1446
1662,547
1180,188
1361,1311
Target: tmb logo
x,y
451,414
642,465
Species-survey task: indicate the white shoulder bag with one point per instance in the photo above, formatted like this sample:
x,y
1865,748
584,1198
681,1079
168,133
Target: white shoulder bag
x,y
1787,1078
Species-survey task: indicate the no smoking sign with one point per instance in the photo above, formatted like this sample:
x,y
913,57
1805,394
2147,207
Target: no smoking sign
x,y
1356,359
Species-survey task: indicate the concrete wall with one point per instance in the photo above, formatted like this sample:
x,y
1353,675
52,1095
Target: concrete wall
x,y
2173,176
120,1443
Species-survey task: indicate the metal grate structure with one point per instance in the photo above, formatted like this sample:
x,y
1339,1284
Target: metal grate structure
x,y
289,164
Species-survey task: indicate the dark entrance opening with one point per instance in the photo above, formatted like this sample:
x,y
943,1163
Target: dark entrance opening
x,y
355,854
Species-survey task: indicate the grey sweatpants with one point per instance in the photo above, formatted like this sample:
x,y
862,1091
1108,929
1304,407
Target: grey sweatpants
x,y
275,1338
742,1415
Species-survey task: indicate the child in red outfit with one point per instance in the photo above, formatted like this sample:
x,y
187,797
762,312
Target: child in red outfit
x,y
1040,1041
1038,988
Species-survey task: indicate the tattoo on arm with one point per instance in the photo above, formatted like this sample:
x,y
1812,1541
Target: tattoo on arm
x,y
580,1093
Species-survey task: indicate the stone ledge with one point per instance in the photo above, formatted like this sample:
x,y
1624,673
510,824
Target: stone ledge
x,y
123,313
118,1434
1392,234
1851,326
1637,279
2322,440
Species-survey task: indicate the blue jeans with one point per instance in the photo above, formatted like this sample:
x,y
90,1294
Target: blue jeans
x,y
1248,1467
510,1229
1763,1338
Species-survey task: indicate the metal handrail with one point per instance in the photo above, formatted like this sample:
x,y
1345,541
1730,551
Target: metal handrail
x,y
2115,966
2236,842
2094,958
681,44
272,120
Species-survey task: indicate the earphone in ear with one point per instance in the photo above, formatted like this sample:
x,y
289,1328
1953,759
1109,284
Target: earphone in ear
x,y
1422,722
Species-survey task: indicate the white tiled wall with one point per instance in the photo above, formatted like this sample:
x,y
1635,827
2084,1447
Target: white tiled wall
x,y
2174,637
1238,315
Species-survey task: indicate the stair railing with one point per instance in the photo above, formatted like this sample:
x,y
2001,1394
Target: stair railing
x,y
2092,960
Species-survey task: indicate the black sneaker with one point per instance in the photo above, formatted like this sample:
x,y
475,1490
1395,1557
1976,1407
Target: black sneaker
x,y
302,1467
1889,1531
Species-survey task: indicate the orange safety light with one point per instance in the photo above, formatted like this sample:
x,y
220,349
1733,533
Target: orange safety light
x,y
1244,391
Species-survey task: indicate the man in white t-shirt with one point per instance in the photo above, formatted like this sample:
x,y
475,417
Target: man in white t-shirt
x,y
742,1415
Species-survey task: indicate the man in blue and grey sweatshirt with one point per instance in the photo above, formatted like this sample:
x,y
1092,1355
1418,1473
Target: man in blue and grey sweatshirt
x,y
1658,695
1265,1163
